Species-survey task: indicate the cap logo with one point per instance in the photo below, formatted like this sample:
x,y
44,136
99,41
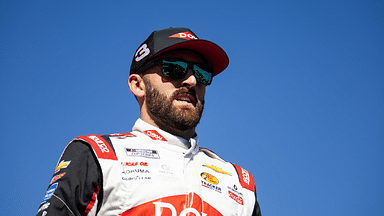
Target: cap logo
x,y
142,52
184,35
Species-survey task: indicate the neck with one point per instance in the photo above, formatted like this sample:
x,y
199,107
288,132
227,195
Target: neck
x,y
186,134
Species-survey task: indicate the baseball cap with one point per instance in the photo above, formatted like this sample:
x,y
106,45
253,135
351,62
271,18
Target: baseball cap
x,y
164,40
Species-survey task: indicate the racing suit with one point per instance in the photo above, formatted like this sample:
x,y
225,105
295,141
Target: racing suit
x,y
146,172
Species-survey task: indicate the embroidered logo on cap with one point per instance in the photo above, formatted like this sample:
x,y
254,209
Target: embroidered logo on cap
x,y
142,52
184,35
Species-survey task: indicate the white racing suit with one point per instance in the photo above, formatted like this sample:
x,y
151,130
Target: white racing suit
x,y
146,172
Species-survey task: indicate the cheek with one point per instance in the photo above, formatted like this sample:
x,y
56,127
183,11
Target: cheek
x,y
201,93
166,91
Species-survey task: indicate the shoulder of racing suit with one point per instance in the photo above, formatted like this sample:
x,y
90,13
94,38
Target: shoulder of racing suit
x,y
101,144
245,178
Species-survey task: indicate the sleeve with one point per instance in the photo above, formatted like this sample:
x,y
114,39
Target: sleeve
x,y
256,209
76,186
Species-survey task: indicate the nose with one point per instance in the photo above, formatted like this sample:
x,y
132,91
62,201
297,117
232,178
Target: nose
x,y
189,79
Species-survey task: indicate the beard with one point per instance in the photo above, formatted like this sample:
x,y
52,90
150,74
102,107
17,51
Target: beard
x,y
168,116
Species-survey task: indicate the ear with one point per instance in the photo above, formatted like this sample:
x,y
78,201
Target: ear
x,y
136,85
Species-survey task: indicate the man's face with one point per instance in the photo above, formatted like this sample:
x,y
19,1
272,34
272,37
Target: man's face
x,y
174,104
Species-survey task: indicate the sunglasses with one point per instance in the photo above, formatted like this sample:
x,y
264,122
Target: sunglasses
x,y
176,69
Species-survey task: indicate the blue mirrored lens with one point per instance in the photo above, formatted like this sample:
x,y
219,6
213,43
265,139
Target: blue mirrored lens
x,y
202,76
178,69
174,69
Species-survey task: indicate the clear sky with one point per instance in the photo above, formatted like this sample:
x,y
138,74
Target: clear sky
x,y
301,105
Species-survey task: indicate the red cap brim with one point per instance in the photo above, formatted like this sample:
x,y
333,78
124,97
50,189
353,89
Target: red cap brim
x,y
211,51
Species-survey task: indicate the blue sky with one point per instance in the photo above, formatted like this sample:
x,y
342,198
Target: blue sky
x,y
301,105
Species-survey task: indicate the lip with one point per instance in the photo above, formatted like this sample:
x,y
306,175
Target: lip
x,y
186,98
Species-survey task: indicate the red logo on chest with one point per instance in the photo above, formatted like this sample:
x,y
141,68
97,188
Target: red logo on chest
x,y
155,135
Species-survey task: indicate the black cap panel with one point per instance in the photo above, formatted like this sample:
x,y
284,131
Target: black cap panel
x,y
179,38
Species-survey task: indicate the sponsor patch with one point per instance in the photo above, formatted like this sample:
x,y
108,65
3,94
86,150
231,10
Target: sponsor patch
x,y
235,197
217,169
136,178
153,134
235,190
131,171
50,192
210,186
246,179
147,153
43,207
165,169
57,177
63,164
135,171
100,146
166,174
103,147
134,163
209,178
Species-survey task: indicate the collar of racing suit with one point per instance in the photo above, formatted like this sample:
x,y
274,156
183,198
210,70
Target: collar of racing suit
x,y
166,139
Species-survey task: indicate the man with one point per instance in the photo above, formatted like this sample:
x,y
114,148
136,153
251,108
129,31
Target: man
x,y
158,168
